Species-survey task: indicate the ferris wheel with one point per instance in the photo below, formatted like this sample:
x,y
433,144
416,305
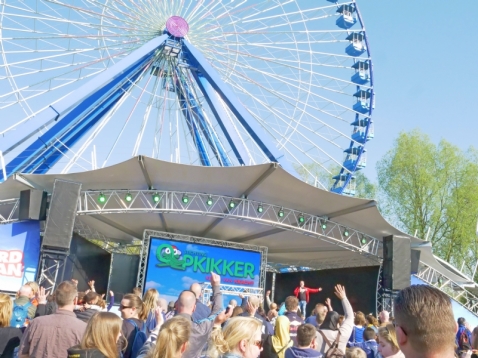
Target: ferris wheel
x,y
90,83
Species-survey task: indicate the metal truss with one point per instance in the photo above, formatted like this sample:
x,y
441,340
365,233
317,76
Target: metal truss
x,y
449,287
231,290
9,210
231,208
314,265
52,268
105,242
148,234
384,297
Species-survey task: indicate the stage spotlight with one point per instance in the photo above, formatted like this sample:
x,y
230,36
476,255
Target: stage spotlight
x,y
260,209
363,240
102,198
346,233
209,200
324,225
301,219
128,197
156,197
281,213
232,204
185,199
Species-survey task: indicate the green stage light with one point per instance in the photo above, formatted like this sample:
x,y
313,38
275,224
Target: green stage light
x,y
301,219
128,197
102,198
363,240
156,197
260,209
232,204
185,199
209,201
346,233
281,213
324,225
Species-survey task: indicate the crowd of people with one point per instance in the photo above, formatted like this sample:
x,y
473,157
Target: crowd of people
x,y
76,324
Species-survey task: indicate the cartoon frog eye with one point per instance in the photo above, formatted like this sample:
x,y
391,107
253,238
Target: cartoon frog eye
x,y
167,251
176,252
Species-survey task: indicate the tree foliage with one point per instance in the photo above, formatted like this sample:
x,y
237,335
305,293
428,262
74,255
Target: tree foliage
x,y
364,188
431,191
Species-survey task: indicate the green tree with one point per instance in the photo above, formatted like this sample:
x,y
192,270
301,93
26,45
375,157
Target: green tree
x,y
313,173
431,191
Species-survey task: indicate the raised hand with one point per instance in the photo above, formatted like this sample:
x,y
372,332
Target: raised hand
x,y
215,279
112,294
340,292
222,317
327,301
158,314
268,292
91,284
42,295
74,281
251,309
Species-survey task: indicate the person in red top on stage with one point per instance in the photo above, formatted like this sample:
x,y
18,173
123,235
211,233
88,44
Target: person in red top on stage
x,y
302,293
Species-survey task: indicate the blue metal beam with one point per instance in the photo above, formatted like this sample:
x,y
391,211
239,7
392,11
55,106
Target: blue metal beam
x,y
222,118
71,110
191,121
197,60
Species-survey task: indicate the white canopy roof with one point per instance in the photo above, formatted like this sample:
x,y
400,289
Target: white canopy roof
x,y
267,183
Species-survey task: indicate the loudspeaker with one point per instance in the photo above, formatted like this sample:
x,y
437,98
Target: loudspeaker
x,y
124,273
61,217
415,262
396,262
32,205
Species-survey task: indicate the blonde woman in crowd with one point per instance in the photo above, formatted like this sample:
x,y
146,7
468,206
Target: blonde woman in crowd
x,y
241,338
172,340
150,302
9,336
387,342
101,337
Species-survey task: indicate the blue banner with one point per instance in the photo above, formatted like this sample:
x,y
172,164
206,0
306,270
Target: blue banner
x,y
174,265
19,254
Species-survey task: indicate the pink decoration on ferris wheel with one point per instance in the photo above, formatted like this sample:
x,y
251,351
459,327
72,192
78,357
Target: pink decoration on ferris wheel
x,y
177,26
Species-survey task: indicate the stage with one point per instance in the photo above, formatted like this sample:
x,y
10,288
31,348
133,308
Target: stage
x,y
303,228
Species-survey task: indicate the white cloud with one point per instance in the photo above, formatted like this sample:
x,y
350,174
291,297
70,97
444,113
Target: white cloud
x,y
188,281
152,284
191,247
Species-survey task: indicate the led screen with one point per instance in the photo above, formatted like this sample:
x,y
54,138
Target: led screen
x,y
174,265
19,254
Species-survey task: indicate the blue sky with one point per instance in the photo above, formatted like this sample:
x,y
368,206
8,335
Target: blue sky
x,y
424,56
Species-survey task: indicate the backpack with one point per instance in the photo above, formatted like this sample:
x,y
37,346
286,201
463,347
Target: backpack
x,y
20,315
139,338
268,349
333,351
464,341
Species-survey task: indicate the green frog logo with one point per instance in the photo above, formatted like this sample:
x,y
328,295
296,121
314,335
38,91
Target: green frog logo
x,y
170,256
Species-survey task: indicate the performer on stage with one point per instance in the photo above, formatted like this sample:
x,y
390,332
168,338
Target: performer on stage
x,y
302,293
